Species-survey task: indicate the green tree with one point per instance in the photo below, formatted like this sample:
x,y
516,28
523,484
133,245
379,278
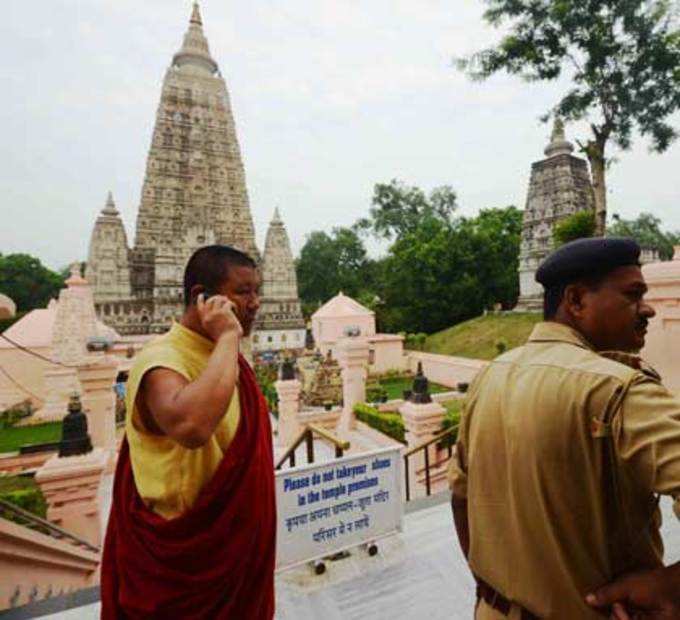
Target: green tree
x,y
399,209
576,226
331,263
28,282
646,230
496,234
622,58
442,272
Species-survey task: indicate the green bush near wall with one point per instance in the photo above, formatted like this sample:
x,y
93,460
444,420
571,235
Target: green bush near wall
x,y
24,493
266,375
391,424
454,409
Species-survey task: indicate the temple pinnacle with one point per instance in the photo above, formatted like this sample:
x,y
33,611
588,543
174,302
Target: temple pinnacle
x,y
277,216
195,52
559,145
110,206
196,15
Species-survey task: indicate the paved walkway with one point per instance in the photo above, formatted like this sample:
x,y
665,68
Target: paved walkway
x,y
418,574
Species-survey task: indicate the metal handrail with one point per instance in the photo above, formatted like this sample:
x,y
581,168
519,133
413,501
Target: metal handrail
x,y
307,435
38,524
438,437
424,447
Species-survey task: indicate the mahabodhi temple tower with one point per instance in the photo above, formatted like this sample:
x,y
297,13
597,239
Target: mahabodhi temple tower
x,y
194,194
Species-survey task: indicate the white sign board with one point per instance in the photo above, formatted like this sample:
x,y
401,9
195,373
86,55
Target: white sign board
x,y
329,507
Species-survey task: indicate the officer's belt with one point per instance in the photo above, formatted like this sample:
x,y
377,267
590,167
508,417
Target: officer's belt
x,y
497,601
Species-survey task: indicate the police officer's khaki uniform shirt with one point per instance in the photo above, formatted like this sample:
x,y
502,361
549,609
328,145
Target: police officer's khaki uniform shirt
x,y
531,463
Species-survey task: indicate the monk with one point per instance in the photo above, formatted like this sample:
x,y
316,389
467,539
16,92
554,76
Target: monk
x,y
193,521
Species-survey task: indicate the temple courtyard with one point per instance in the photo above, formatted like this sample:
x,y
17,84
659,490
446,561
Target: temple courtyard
x,y
420,573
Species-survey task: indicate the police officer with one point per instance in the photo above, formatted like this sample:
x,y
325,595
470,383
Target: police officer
x,y
565,444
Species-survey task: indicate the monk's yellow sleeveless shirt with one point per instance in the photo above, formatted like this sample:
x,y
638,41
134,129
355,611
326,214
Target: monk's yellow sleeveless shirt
x,y
168,476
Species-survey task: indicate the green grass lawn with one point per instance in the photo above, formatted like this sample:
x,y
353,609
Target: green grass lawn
x,y
11,439
453,407
477,338
395,387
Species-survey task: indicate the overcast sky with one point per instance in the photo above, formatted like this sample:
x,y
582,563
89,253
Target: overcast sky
x,y
329,97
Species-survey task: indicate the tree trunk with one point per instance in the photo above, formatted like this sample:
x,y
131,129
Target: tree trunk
x,y
596,158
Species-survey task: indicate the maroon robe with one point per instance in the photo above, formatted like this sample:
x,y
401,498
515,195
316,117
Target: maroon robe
x,y
217,559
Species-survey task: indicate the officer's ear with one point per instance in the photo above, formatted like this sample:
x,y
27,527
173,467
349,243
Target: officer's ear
x,y
573,299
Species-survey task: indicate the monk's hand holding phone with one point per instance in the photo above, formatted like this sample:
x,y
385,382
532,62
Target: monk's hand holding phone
x,y
218,316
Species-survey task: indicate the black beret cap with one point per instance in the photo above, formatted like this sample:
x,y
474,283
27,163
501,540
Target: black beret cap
x,y
586,257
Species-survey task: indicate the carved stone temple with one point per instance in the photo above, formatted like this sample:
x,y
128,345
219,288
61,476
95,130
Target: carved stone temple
x,y
194,194
560,186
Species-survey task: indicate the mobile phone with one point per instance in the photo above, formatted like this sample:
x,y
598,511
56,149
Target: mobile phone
x,y
208,293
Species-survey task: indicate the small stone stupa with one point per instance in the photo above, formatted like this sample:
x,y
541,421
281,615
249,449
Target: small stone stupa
x,y
75,322
560,186
326,384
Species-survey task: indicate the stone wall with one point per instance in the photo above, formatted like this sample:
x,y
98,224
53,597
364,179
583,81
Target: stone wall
x,y
35,566
132,316
663,338
446,369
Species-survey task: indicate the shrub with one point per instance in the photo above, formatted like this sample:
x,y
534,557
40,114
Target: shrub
x,y
391,424
10,417
501,346
25,493
31,500
415,341
266,375
576,226
376,394
451,419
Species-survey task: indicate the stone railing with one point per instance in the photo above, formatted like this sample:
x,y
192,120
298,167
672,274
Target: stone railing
x,y
16,463
439,397
327,419
35,566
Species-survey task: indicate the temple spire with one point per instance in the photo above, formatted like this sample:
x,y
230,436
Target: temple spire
x,y
196,15
280,313
195,52
559,145
110,206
